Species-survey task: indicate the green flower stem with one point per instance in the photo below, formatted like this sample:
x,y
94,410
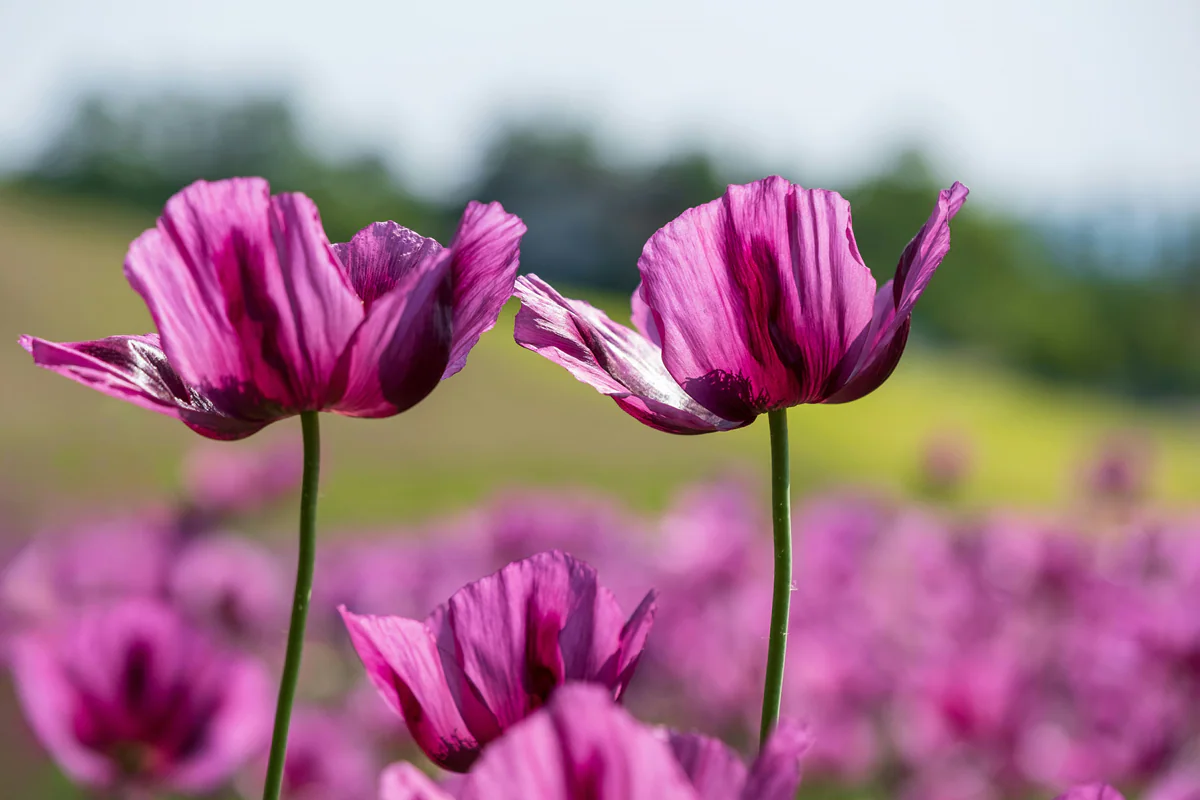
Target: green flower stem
x,y
781,599
304,579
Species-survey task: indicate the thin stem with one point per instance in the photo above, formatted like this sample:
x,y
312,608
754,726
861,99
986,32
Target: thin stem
x,y
781,598
304,579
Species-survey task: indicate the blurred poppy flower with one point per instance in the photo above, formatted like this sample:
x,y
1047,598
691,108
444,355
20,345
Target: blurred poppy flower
x,y
221,481
259,317
754,302
233,586
129,696
90,562
326,758
497,650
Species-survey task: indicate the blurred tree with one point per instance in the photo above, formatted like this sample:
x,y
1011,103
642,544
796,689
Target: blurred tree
x,y
587,220
144,152
1058,308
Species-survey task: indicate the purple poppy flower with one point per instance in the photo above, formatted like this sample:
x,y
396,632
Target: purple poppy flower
x,y
260,318
717,773
754,302
497,650
129,696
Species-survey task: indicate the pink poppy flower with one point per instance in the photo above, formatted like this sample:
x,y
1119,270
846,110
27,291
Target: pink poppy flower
x,y
497,650
129,696
754,302
260,318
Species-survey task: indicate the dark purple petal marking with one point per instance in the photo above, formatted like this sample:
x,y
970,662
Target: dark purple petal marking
x,y
380,255
611,358
485,256
135,369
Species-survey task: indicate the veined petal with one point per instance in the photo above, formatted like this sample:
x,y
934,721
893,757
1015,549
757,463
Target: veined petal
x,y
402,661
398,354
874,357
633,640
923,255
479,719
506,631
580,745
716,772
484,258
135,369
380,255
403,781
611,358
247,294
775,774
643,317
757,296
876,354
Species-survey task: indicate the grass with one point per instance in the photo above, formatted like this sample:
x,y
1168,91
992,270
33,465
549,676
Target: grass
x,y
510,417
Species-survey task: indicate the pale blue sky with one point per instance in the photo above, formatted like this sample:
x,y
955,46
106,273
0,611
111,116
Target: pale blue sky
x,y
1031,102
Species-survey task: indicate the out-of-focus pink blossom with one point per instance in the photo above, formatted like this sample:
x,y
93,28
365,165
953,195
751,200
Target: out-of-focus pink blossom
x,y
945,463
228,480
88,563
232,585
1181,784
129,696
1091,791
327,759
1120,469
